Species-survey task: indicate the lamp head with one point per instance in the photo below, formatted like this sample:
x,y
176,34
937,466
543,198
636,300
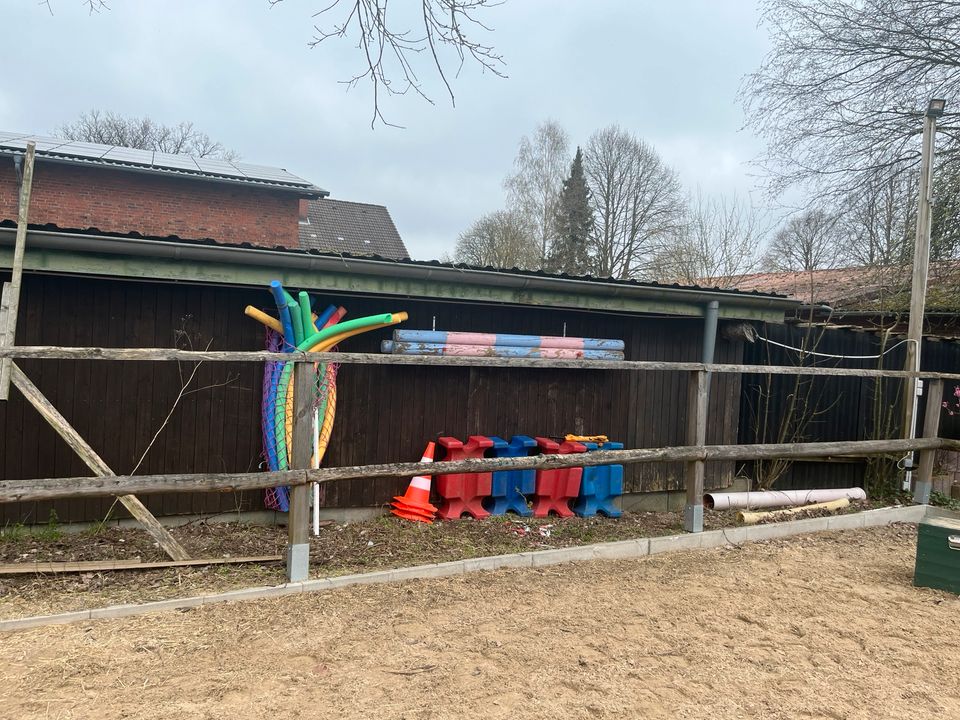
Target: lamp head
x,y
935,108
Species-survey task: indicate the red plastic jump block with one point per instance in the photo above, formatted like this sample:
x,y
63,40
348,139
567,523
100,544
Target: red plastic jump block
x,y
556,488
464,492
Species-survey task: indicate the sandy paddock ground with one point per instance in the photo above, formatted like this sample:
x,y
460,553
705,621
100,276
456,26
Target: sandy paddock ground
x,y
823,626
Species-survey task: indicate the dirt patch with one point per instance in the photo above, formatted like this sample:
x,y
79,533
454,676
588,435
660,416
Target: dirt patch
x,y
813,626
382,543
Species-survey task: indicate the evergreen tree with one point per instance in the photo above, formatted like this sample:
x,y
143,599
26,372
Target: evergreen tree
x,y
573,224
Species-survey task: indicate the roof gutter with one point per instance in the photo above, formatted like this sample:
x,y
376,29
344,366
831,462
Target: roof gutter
x,y
262,257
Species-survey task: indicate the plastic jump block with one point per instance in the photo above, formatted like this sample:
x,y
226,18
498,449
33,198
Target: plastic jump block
x,y
600,486
509,487
556,488
463,492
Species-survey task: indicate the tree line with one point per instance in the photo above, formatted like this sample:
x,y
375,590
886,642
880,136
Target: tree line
x,y
612,208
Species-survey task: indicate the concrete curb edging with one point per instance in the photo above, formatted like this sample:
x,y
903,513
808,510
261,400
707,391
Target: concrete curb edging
x,y
621,550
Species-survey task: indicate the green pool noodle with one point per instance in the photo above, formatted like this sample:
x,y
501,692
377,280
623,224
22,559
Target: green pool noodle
x,y
306,314
320,336
297,322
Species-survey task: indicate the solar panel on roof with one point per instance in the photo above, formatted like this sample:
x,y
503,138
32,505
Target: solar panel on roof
x,y
106,154
5,136
219,167
262,172
88,151
128,155
174,162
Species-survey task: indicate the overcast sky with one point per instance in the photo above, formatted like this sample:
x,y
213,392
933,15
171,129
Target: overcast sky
x,y
243,73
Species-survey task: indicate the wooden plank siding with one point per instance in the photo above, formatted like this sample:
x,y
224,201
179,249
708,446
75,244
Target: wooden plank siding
x,y
847,407
384,413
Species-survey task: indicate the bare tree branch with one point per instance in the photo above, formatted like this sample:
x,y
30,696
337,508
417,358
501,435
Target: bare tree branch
x,y
840,95
443,30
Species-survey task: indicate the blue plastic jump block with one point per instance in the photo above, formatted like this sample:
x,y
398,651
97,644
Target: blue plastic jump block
x,y
508,488
600,487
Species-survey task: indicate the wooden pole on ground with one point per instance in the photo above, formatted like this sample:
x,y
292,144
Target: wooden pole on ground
x,y
931,428
698,397
298,537
93,461
8,331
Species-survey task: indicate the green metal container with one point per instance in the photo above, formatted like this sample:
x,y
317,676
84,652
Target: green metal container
x,y
938,555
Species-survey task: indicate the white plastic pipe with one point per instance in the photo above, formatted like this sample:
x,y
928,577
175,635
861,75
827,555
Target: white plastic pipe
x,y
778,498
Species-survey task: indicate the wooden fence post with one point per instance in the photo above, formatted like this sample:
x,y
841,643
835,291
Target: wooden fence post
x,y
698,397
931,428
12,294
298,537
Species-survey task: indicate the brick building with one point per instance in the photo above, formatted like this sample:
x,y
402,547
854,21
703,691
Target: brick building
x,y
116,190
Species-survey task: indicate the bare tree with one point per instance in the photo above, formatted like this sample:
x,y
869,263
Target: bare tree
x,y
637,201
809,241
878,220
533,190
499,239
839,95
143,133
444,31
720,239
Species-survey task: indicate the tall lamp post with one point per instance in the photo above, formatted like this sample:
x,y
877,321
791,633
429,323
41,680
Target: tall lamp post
x,y
918,292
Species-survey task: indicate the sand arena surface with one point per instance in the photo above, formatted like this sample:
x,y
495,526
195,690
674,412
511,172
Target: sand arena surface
x,y
824,626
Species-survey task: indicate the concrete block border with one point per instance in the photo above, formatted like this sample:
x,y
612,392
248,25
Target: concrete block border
x,y
621,550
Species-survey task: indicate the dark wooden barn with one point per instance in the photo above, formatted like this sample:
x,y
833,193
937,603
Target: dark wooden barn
x,y
93,290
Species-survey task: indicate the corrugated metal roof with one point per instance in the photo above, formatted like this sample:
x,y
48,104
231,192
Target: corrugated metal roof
x,y
356,228
83,153
344,256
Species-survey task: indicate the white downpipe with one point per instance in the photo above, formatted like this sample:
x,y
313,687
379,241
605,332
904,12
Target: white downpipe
x,y
778,498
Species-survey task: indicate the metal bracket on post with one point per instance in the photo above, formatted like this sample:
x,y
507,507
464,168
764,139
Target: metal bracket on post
x,y
698,398
298,530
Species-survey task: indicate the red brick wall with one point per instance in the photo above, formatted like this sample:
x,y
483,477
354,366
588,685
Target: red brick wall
x,y
117,201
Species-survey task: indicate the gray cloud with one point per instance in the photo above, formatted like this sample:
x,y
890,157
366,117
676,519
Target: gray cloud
x,y
242,72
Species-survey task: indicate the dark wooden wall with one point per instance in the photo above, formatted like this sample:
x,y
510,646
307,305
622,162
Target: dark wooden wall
x,y
846,408
385,414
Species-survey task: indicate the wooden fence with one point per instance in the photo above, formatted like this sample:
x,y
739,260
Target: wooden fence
x,y
695,454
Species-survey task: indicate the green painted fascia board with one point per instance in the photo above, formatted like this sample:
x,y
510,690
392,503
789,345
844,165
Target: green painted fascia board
x,y
169,269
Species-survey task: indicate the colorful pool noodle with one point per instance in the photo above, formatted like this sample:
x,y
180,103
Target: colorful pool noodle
x,y
276,289
261,317
443,349
321,321
319,342
495,339
299,331
306,314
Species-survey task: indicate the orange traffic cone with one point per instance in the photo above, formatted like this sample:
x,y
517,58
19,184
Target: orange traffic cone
x,y
415,504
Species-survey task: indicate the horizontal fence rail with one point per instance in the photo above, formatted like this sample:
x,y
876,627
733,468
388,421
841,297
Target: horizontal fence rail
x,y
54,488
43,352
